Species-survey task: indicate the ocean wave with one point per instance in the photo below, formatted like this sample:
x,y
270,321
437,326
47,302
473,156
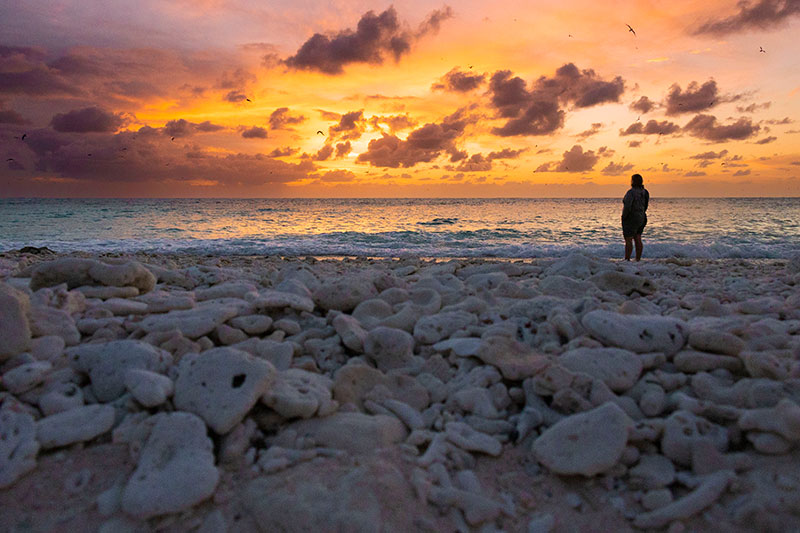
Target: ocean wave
x,y
438,222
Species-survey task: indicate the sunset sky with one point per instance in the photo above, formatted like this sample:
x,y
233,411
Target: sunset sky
x,y
255,98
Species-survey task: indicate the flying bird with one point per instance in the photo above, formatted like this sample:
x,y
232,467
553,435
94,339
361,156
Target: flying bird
x,y
172,139
762,50
321,133
569,35
248,99
631,29
10,159
23,136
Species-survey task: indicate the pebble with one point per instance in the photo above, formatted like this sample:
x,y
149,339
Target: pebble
x,y
15,331
75,425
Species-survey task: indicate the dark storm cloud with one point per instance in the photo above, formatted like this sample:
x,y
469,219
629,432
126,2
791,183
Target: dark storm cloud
x,y
255,133
652,127
710,155
573,160
615,169
706,127
375,38
282,117
695,98
350,126
643,105
422,145
90,119
135,157
342,149
38,81
767,140
762,15
538,111
184,128
459,82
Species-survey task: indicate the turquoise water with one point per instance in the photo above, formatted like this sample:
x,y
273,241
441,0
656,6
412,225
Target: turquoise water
x,y
726,227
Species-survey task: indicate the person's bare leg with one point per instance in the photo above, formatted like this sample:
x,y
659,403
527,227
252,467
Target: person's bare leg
x,y
628,248
638,240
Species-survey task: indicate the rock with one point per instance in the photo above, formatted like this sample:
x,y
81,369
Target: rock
x,y
692,362
433,328
514,360
227,289
267,300
372,312
148,388
627,284
252,324
18,446
710,489
122,307
48,348
684,430
783,420
389,348
76,425
15,332
299,393
221,385
228,335
637,333
355,432
574,265
617,368
541,523
352,334
175,469
564,287
475,400
709,340
344,293
77,272
652,472
466,438
107,363
656,499
192,323
25,377
769,443
352,382
60,397
51,321
587,443
106,293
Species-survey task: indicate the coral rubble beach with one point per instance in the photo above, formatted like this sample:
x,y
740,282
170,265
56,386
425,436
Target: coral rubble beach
x,y
164,392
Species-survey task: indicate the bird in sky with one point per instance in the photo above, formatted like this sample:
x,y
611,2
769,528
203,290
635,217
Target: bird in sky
x,y
10,159
760,49
321,133
248,99
23,136
172,139
631,29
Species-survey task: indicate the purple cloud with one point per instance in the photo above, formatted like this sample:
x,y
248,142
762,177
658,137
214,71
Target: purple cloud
x,y
90,119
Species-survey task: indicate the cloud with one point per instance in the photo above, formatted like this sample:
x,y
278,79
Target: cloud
x,y
459,82
476,163
594,130
742,173
375,38
90,119
282,117
615,169
574,160
9,116
255,132
538,111
706,127
710,155
350,126
752,108
184,128
763,15
767,140
235,97
283,152
324,153
652,127
422,145
634,144
334,176
695,98
694,174
394,122
506,153
643,105
342,149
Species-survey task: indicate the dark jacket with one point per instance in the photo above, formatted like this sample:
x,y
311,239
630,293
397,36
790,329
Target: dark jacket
x,y
634,205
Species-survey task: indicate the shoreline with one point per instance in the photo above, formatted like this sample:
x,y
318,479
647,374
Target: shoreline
x,y
539,394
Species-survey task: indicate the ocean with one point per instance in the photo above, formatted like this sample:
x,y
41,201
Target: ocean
x,y
507,228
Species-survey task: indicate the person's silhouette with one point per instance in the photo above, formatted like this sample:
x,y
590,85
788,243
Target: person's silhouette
x,y
634,216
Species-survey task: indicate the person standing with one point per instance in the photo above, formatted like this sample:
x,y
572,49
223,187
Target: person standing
x,y
634,216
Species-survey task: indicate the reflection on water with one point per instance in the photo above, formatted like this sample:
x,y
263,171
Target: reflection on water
x,y
515,227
